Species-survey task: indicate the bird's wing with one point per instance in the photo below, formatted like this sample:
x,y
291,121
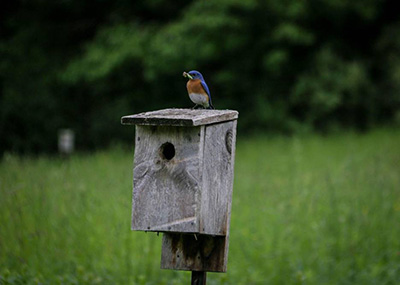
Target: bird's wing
x,y
204,84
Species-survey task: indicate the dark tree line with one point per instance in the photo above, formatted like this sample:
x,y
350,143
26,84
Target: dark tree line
x,y
287,66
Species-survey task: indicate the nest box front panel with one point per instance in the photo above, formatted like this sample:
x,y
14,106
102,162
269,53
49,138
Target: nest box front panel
x,y
166,178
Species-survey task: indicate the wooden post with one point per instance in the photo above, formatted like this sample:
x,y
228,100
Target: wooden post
x,y
199,278
182,185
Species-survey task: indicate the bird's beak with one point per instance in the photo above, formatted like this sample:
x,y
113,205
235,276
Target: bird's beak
x,y
185,74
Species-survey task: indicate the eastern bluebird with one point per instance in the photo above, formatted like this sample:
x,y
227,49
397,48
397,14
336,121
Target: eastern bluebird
x,y
198,90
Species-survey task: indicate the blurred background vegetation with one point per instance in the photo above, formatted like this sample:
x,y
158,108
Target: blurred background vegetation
x,y
307,209
288,66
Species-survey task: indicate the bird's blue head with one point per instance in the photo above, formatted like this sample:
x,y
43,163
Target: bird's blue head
x,y
194,74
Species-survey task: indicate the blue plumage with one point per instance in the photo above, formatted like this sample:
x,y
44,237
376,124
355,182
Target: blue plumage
x,y
198,89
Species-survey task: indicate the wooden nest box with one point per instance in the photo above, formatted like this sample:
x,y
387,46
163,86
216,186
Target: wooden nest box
x,y
182,182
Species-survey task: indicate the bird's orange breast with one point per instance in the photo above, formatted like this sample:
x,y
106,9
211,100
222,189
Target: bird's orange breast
x,y
194,86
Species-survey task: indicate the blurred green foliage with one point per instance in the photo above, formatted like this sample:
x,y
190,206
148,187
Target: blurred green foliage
x,y
306,209
287,66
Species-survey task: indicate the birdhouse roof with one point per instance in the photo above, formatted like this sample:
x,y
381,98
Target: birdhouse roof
x,y
180,117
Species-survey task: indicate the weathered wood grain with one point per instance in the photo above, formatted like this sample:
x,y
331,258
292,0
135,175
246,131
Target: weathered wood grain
x,y
192,191
193,252
166,191
180,117
183,182
208,251
217,177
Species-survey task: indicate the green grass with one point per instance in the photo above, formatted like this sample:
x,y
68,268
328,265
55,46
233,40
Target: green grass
x,y
306,210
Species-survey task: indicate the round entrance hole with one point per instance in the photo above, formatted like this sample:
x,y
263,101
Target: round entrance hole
x,y
167,151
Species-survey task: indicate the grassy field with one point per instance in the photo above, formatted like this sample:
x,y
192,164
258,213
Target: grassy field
x,y
306,210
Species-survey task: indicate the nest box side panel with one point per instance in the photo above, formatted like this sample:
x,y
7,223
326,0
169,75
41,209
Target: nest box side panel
x,y
217,180
166,178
